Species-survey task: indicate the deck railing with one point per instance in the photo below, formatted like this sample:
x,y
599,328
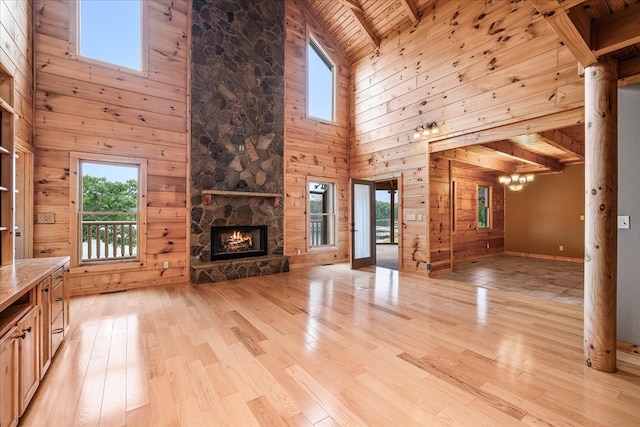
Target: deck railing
x,y
108,240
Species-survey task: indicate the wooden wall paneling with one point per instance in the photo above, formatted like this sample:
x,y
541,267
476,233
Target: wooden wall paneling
x,y
439,214
88,107
313,148
50,139
72,105
505,76
112,96
470,242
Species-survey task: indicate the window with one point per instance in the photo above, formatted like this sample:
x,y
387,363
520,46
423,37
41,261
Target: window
x,y
322,214
484,207
110,211
320,83
111,31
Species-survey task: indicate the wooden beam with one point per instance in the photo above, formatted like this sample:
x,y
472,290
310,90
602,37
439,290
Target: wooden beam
x,y
516,152
564,142
411,10
629,71
601,214
475,156
558,19
537,124
616,31
356,11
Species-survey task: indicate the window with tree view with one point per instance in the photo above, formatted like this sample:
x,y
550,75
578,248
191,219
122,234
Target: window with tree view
x,y
483,207
110,211
322,214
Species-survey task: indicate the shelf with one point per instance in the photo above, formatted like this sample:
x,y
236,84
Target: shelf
x,y
240,193
208,193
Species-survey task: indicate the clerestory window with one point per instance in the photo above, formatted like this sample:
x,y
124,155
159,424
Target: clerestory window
x,y
320,83
111,31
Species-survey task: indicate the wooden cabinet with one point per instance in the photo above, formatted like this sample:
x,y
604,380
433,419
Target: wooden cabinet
x,y
53,294
9,378
43,291
34,313
29,360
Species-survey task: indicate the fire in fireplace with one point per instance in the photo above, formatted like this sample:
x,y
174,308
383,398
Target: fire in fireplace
x,y
229,242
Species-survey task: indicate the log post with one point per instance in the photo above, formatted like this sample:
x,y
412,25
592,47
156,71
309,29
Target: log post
x,y
601,212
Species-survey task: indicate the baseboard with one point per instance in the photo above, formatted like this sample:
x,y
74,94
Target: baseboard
x,y
553,257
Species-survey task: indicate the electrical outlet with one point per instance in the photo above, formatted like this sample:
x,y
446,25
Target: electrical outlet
x,y
299,251
487,246
46,218
561,248
623,221
165,264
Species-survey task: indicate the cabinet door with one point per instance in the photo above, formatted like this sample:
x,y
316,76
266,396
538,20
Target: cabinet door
x,y
29,372
44,301
9,378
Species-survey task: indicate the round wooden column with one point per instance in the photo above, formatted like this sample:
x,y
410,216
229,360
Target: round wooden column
x,y
601,212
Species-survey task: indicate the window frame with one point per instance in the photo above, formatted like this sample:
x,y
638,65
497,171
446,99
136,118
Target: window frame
x,y
488,208
74,41
332,215
75,197
321,51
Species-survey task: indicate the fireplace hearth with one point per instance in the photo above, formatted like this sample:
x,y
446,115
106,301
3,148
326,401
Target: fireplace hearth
x,y
232,242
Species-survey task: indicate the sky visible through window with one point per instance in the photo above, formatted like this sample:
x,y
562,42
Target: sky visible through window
x,y
320,85
113,173
110,31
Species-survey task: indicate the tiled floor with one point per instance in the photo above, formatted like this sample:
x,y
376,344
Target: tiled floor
x,y
387,256
542,278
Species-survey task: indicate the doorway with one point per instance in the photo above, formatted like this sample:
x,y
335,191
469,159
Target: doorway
x,y
386,223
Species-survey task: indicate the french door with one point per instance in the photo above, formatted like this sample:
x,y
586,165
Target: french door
x,y
363,224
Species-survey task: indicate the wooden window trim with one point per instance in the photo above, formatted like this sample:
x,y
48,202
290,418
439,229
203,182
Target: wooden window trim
x,y
74,42
334,245
490,210
311,38
74,198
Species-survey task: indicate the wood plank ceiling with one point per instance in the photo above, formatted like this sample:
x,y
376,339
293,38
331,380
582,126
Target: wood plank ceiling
x,y
589,28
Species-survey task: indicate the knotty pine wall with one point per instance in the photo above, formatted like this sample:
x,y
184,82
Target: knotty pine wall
x,y
16,57
88,107
469,242
313,148
470,66
16,89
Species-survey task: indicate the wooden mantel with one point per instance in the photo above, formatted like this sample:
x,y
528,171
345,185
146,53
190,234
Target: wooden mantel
x,y
207,200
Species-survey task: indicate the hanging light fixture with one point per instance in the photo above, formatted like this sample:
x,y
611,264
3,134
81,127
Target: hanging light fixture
x,y
516,182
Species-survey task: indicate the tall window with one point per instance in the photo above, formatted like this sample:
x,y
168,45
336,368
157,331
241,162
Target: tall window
x,y
320,83
110,210
111,31
484,206
322,214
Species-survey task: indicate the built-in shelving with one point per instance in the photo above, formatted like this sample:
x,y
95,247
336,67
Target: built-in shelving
x,y
7,117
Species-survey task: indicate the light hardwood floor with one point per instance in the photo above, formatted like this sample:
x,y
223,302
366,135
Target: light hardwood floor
x,y
328,346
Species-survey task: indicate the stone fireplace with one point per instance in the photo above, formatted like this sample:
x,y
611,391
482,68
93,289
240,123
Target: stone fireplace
x,y
237,134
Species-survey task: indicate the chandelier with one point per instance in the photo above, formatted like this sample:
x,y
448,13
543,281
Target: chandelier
x,y
515,182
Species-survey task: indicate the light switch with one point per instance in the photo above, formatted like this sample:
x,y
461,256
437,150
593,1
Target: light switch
x,y
411,217
623,221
